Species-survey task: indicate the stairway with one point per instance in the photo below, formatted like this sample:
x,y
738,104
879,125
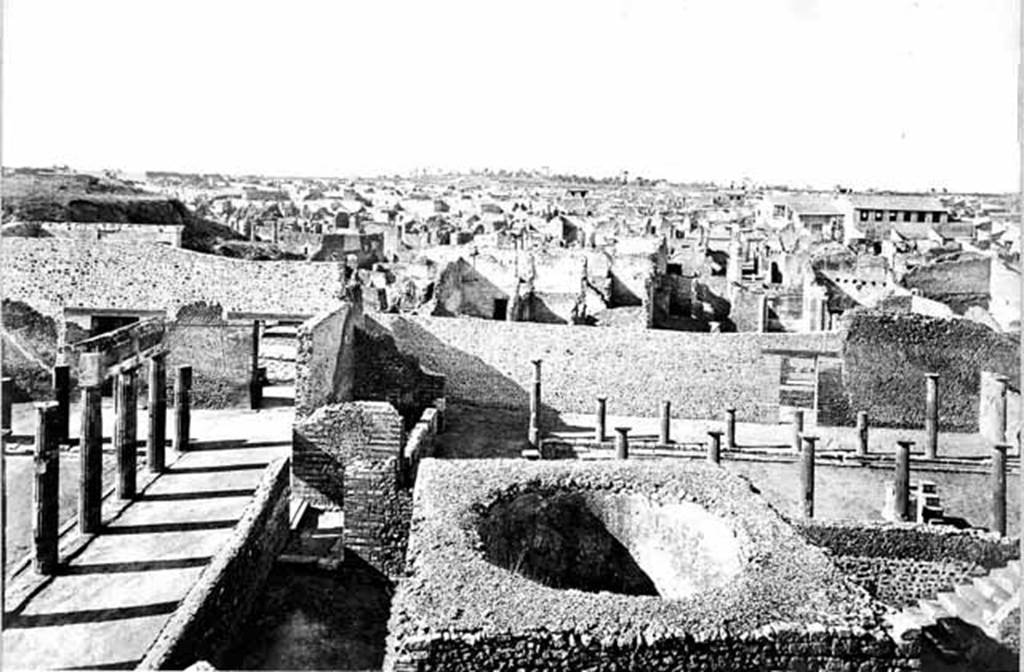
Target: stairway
x,y
983,603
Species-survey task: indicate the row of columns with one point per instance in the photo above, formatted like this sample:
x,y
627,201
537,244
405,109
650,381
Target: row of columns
x,y
51,432
805,446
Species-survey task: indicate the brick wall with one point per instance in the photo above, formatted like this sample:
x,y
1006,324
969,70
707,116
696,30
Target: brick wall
x,y
488,364
349,456
206,621
50,274
325,358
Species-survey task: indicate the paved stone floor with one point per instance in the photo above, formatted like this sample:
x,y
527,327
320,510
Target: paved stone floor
x,y
112,597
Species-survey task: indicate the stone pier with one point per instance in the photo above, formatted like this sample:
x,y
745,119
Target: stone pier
x,y
666,422
602,418
901,509
182,410
730,428
862,434
931,415
90,475
46,493
534,432
999,488
807,475
126,432
798,429
715,447
622,443
157,410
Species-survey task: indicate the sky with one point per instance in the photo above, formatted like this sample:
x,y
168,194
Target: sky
x,y
896,94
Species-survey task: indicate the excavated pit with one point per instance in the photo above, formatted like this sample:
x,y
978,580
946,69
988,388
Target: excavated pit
x,y
619,543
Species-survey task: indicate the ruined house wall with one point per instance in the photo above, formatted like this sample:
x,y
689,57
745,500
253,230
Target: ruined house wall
x,y
488,364
50,274
959,284
168,234
325,359
219,352
885,357
462,289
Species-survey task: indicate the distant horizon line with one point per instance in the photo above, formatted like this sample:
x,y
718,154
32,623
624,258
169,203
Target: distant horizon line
x,y
536,173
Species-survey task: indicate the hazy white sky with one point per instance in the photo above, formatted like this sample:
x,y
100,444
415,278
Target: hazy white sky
x,y
890,93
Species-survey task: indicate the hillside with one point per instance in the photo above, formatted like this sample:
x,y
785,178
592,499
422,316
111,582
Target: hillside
x,y
48,196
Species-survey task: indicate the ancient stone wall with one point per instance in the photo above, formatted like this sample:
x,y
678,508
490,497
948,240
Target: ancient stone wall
x,y
325,358
51,274
488,364
208,618
168,234
902,563
885,357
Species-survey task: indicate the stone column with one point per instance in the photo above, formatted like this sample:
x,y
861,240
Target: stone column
x,y
534,434
622,443
126,433
157,406
931,415
715,447
862,433
61,379
46,493
901,508
798,429
999,488
599,430
807,475
730,428
255,384
666,422
182,410
90,454
6,399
